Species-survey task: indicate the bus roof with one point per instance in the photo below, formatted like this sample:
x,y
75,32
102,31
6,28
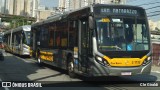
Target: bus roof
x,y
63,15
24,28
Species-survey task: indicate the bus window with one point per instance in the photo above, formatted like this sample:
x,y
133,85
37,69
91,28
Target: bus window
x,y
18,39
51,35
24,39
58,39
64,39
73,34
129,33
44,37
144,31
51,38
61,35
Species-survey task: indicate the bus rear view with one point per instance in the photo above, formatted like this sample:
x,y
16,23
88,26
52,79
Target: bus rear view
x,y
121,41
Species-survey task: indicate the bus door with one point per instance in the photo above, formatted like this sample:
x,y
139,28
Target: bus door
x,y
34,43
83,44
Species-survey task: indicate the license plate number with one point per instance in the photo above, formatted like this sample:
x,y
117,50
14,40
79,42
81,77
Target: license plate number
x,y
126,73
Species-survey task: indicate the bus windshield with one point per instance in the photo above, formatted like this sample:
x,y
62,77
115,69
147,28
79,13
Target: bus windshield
x,y
122,34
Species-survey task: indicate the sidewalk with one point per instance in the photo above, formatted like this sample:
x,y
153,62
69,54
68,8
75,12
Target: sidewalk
x,y
155,69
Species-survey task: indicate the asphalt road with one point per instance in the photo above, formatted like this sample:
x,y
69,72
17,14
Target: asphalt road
x,y
23,70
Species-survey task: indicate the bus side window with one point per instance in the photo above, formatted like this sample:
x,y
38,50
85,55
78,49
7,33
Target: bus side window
x,y
23,38
73,36
58,39
51,35
51,38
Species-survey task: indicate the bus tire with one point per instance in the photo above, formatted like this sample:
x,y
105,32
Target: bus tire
x,y
71,72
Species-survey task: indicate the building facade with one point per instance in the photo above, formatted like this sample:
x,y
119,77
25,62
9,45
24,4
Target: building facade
x,y
10,6
153,25
75,4
62,5
19,7
2,6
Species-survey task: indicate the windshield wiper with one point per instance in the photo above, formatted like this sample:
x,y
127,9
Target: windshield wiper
x,y
116,47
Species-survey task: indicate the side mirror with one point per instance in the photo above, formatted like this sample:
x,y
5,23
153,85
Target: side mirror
x,y
91,22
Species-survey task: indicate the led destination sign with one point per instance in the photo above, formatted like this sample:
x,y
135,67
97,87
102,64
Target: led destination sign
x,y
118,11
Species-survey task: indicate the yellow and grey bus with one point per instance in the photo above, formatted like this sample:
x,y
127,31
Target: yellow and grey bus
x,y
97,40
17,40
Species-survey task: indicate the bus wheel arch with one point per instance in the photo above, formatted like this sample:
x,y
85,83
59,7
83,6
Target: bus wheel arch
x,y
70,66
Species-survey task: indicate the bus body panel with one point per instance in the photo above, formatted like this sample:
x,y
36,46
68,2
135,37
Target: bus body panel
x,y
55,57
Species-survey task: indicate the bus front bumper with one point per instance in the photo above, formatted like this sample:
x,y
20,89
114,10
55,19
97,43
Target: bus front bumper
x,y
99,70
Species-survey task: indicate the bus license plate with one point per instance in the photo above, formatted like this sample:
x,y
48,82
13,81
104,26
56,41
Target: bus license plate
x,y
126,73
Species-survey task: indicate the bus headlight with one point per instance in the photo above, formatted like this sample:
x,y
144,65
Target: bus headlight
x,y
102,61
148,60
99,58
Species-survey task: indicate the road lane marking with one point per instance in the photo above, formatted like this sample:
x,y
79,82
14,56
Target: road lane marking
x,y
6,88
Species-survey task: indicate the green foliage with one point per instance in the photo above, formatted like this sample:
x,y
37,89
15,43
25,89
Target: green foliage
x,y
16,21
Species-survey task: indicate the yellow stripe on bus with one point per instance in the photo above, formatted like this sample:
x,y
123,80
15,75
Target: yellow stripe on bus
x,y
47,53
46,56
125,61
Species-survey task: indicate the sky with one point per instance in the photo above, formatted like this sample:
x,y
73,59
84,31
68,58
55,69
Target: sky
x,y
149,4
152,7
49,3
